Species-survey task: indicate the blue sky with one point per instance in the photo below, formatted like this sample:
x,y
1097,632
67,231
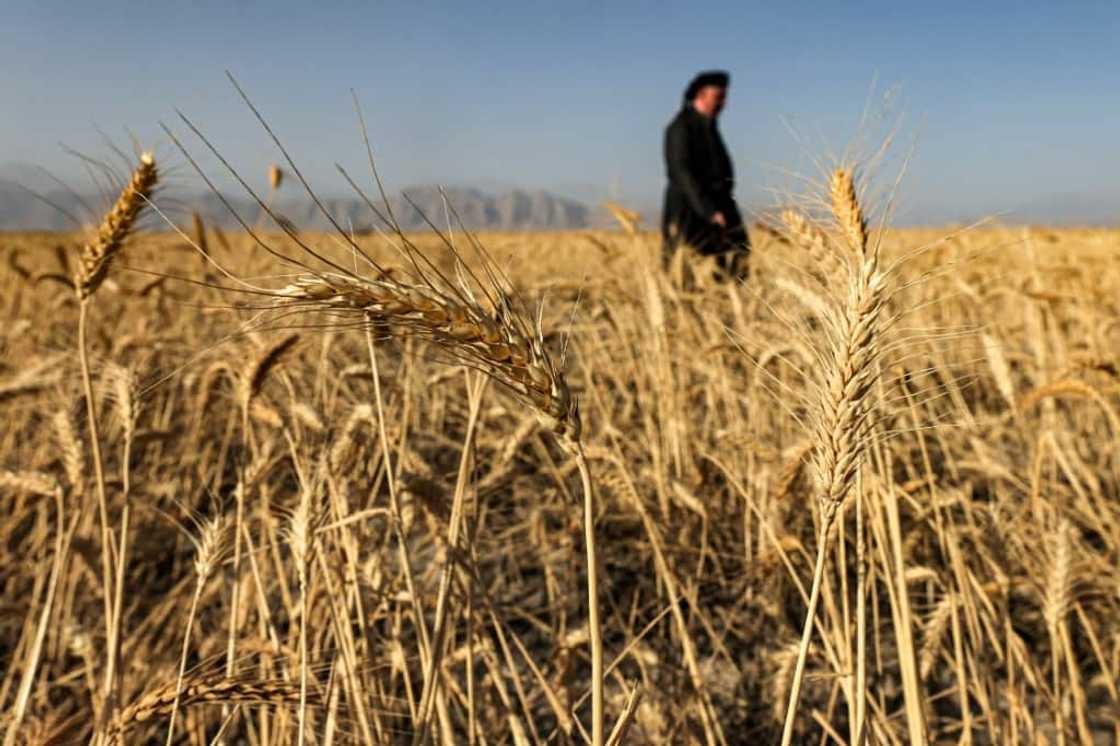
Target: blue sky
x,y
1010,106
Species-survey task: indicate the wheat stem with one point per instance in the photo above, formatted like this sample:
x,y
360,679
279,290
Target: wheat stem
x,y
23,695
594,628
124,396
183,658
455,521
102,500
807,628
394,504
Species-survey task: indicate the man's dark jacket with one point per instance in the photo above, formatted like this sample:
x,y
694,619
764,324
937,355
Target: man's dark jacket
x,y
701,183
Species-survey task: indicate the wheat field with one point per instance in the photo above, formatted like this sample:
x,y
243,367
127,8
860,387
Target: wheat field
x,y
348,512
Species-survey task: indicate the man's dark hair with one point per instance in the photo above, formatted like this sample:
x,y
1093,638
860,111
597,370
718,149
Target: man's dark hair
x,y
719,78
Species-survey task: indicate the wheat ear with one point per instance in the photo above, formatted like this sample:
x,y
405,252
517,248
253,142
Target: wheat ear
x,y
200,690
846,209
97,255
31,482
824,262
493,342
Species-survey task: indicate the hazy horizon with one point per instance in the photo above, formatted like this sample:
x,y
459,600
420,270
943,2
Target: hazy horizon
x,y
999,108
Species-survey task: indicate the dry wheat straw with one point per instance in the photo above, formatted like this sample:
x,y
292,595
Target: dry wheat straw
x,y
344,448
496,342
199,230
121,388
305,521
1056,603
489,336
1001,371
629,220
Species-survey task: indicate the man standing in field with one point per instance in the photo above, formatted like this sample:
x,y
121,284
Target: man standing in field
x,y
700,208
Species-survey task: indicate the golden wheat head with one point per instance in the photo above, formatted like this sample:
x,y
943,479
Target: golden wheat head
x,y
496,343
275,177
96,256
847,211
843,420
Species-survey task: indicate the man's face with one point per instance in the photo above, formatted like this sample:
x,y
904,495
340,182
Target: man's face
x,y
709,101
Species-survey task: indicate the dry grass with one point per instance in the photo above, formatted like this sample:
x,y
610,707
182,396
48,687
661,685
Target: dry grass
x,y
359,534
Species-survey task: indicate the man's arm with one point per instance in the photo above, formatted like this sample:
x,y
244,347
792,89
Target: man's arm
x,y
676,158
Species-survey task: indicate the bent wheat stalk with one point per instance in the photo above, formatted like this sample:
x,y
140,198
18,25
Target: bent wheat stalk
x,y
485,333
496,343
200,689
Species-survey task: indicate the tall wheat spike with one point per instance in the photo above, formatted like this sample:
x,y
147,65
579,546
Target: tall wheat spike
x,y
841,420
97,255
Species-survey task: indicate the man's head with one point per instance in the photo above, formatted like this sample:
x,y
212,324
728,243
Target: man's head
x,y
708,91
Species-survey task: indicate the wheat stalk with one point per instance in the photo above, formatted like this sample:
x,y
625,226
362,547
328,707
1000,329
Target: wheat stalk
x,y
343,449
1056,602
93,267
496,343
209,548
489,336
841,420
629,220
198,228
121,387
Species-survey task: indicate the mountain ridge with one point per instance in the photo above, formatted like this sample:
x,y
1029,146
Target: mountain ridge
x,y
28,208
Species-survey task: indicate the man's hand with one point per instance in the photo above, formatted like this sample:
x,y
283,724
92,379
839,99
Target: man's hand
x,y
720,220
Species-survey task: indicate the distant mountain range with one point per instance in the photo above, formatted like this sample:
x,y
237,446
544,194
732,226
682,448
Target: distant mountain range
x,y
28,202
56,208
